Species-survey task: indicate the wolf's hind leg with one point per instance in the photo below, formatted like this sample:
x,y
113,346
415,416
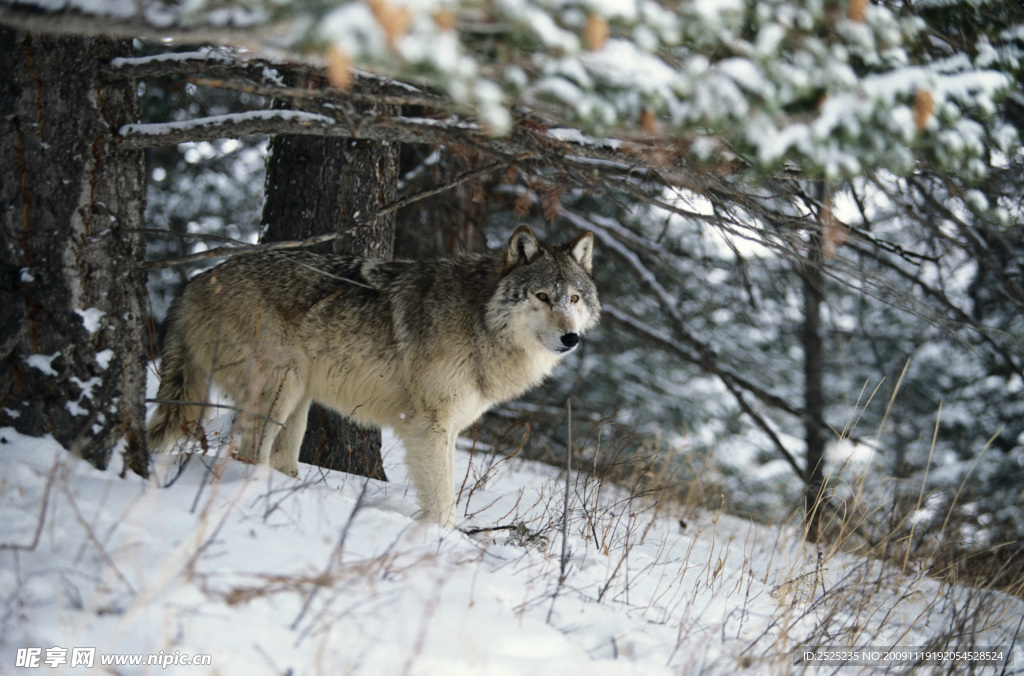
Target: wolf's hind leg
x,y
276,401
285,457
430,455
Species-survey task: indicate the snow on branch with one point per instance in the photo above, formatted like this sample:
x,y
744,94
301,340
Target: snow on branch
x,y
529,140
243,72
210,62
294,122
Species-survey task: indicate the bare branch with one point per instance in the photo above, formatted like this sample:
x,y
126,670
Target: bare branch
x,y
732,382
703,354
406,98
44,506
209,404
232,71
290,122
536,144
976,246
359,222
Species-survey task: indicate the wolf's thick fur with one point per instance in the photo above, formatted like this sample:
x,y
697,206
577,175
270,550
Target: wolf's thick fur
x,y
424,347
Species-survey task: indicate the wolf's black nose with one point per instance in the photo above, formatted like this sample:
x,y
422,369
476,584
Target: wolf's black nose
x,y
570,339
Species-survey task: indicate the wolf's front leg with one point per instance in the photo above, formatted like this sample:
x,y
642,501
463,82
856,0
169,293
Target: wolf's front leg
x,y
430,455
288,444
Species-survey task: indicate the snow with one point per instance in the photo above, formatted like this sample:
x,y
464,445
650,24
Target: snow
x,y
332,574
43,362
622,64
158,129
624,9
91,318
209,55
544,26
103,358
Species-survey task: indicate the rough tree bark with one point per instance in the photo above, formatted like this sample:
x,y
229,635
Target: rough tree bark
x,y
316,186
72,288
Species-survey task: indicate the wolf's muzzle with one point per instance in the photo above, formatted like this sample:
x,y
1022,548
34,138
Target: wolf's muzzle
x,y
570,340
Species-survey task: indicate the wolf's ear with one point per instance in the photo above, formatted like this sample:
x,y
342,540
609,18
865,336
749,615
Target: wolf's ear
x,y
582,250
522,248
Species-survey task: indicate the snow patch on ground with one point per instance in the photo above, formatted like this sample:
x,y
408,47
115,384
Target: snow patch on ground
x,y
332,574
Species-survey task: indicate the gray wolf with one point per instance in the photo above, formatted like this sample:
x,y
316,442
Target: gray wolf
x,y
424,347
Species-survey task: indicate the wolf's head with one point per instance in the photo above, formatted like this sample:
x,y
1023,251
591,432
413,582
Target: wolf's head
x,y
546,295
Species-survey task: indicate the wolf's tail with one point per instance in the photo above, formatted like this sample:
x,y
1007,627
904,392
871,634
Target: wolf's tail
x,y
181,384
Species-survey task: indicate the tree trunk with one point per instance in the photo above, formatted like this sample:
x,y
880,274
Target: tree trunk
x,y
813,277
72,288
317,186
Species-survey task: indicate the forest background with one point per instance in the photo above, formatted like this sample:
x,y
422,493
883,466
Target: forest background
x,y
808,219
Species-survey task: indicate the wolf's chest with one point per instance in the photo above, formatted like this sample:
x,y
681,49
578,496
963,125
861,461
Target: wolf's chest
x,y
503,379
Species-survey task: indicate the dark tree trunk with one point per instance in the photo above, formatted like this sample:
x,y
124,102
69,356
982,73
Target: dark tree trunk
x,y
72,288
317,186
813,278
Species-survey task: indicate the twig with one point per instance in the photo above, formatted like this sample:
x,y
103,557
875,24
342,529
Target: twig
x,y
565,510
207,404
165,232
91,535
483,480
732,383
42,516
568,473
469,465
476,531
335,556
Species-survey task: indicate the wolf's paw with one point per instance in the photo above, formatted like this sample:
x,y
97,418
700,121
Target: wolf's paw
x,y
285,466
442,517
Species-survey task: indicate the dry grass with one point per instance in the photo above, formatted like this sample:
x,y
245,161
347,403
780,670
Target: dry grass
x,y
876,577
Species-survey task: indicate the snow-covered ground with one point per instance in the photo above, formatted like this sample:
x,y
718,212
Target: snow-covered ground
x,y
332,574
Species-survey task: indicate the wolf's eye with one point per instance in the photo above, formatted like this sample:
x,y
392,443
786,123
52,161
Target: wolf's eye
x,y
574,298
542,297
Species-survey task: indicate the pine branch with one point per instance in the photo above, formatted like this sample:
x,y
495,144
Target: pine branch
x,y
334,116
